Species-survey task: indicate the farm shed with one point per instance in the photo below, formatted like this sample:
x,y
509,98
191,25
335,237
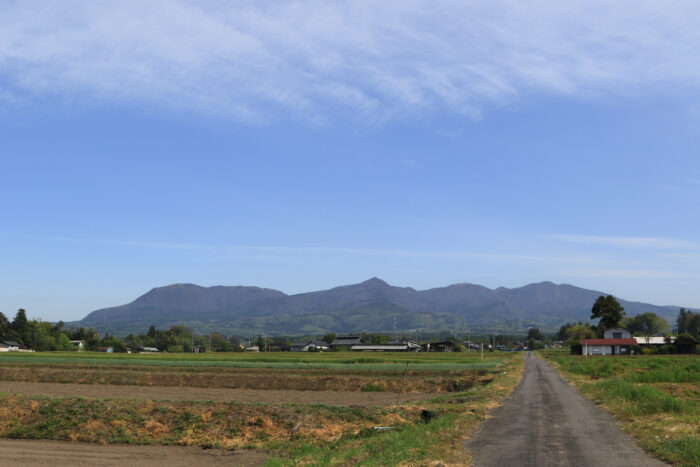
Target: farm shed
x,y
606,346
654,340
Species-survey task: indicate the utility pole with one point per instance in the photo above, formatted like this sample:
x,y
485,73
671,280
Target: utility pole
x,y
482,350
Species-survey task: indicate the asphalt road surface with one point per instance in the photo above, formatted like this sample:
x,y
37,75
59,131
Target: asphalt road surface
x,y
547,422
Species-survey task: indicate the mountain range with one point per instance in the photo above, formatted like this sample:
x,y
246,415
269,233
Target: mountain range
x,y
370,306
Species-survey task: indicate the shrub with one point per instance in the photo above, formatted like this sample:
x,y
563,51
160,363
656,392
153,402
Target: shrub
x,y
576,348
685,343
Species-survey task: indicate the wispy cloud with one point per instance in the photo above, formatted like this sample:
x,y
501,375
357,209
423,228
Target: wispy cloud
x,y
131,243
655,243
627,273
315,60
274,251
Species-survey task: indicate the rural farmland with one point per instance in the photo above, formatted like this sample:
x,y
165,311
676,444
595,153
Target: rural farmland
x,y
287,407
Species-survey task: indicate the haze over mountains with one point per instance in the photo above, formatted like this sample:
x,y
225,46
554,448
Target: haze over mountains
x,y
372,305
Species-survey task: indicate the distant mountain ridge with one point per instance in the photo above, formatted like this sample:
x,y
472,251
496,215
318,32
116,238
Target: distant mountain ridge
x,y
372,305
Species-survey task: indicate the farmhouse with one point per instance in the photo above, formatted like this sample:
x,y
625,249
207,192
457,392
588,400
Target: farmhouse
x,y
616,341
390,347
311,346
9,346
345,341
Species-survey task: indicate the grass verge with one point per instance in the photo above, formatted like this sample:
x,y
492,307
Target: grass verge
x,y
653,397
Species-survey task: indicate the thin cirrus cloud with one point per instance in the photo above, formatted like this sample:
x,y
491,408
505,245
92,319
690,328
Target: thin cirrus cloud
x,y
315,61
277,251
646,243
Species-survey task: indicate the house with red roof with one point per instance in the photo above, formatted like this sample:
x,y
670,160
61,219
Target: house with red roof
x,y
615,341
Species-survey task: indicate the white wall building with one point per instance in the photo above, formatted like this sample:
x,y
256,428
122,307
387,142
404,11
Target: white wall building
x,y
616,341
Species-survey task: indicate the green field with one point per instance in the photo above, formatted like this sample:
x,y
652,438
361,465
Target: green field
x,y
384,361
656,398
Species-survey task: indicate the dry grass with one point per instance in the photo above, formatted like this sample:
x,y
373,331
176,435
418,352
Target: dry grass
x,y
255,378
205,424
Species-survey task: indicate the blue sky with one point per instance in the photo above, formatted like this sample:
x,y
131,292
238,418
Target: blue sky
x,y
300,146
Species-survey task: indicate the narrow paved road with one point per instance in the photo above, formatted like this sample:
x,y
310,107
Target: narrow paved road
x,y
546,421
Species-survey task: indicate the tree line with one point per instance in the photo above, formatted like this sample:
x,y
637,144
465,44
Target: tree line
x,y
40,335
612,314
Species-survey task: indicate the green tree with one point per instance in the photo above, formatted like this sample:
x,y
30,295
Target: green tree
x,y
4,325
609,310
579,331
116,345
685,343
561,335
19,324
688,322
646,324
219,342
534,334
328,338
63,343
234,342
694,326
260,342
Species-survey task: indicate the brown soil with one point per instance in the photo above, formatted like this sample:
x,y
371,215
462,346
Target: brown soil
x,y
105,391
244,378
57,453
